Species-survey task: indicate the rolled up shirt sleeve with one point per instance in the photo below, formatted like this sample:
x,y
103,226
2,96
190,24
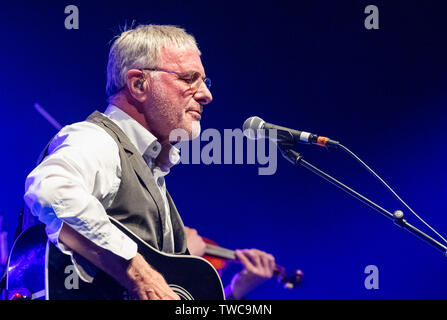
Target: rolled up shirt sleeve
x,y
75,184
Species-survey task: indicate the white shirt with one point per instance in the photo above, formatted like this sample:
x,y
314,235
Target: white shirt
x,y
80,177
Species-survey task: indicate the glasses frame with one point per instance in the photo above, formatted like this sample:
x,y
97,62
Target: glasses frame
x,y
205,80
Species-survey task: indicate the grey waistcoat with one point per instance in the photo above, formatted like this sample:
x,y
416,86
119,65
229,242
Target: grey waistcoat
x,y
138,203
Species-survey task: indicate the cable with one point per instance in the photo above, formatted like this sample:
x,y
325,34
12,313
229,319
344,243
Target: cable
x,y
389,188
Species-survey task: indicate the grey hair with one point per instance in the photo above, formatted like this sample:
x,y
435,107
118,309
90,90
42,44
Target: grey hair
x,y
140,48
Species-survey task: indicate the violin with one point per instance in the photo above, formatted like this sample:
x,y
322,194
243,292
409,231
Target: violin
x,y
219,257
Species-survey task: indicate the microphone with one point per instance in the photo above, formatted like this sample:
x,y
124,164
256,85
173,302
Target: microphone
x,y
255,127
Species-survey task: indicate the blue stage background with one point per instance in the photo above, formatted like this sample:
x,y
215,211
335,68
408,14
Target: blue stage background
x,y
310,65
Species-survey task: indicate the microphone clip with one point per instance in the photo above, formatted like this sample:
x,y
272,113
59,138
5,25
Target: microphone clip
x,y
288,153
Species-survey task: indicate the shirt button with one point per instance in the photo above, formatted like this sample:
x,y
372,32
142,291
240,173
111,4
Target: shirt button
x,y
160,182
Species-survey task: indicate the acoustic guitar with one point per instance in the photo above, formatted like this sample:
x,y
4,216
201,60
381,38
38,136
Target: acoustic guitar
x,y
36,269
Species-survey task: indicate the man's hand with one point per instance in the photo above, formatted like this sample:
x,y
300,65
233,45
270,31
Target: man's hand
x,y
136,275
196,245
258,267
145,283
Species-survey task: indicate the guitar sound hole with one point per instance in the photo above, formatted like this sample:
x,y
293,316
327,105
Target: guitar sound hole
x,y
181,292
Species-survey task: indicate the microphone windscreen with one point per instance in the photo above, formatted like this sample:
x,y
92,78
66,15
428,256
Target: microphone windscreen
x,y
251,127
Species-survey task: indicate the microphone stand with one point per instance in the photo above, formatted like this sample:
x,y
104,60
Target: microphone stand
x,y
397,217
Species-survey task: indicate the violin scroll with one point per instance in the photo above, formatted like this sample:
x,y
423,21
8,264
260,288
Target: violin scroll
x,y
288,282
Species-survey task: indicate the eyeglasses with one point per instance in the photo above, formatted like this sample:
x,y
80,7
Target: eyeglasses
x,y
191,77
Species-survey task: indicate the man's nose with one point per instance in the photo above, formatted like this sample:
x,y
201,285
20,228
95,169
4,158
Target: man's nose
x,y
203,95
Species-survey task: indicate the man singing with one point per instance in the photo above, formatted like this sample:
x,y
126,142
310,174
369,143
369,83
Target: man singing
x,y
114,163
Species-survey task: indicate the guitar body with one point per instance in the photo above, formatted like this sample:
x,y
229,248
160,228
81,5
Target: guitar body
x,y
38,270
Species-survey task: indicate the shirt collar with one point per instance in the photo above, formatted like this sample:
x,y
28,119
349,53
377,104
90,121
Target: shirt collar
x,y
146,143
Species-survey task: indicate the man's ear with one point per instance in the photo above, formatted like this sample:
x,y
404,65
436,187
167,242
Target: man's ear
x,y
137,84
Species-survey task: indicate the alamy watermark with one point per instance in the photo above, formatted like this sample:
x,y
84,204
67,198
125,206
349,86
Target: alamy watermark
x,y
372,280
231,148
372,20
72,20
72,280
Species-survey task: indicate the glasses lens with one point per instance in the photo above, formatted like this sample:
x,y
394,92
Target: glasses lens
x,y
207,82
198,82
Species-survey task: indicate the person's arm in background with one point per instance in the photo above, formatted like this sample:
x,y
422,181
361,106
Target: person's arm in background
x,y
258,266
